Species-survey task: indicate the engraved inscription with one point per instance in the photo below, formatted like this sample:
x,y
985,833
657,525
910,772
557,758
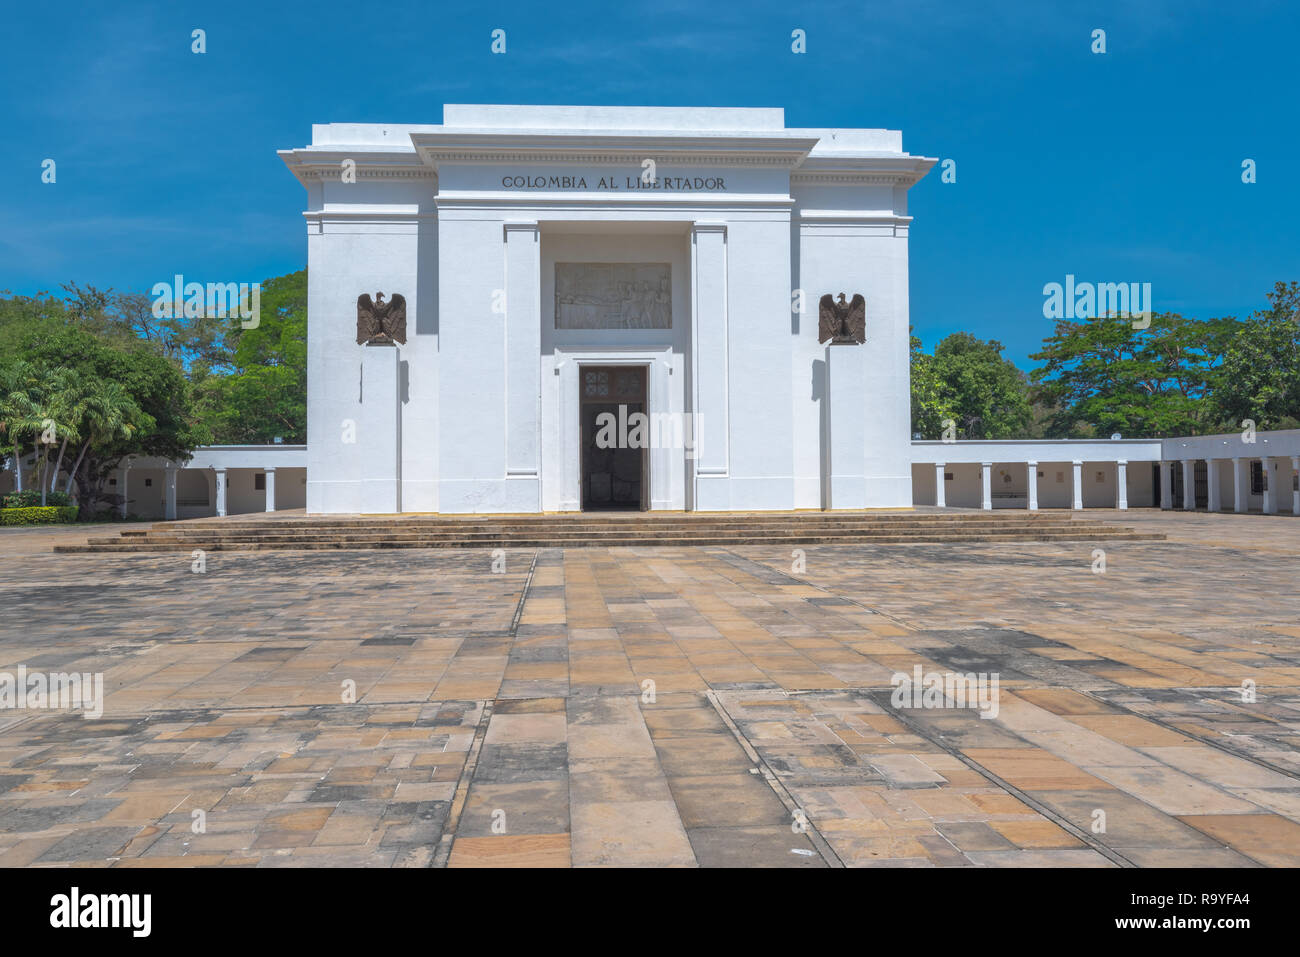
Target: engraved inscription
x,y
613,296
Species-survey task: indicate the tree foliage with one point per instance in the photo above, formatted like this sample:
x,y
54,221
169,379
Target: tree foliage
x,y
1260,373
260,392
1104,375
968,382
94,375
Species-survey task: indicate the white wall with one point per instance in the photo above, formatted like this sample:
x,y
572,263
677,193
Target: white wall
x,y
852,258
435,214
366,237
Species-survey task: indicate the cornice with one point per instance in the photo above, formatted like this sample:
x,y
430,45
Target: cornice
x,y
364,172
605,149
800,178
818,217
882,170
316,165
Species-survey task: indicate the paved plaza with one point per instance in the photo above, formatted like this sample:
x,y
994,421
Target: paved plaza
x,y
713,706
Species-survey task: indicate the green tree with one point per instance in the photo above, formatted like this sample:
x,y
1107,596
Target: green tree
x,y
1101,375
19,315
107,412
264,394
1261,365
968,382
64,394
161,410
40,403
20,413
929,406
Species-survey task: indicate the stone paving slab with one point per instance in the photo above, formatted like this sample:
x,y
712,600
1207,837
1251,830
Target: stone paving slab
x,y
723,706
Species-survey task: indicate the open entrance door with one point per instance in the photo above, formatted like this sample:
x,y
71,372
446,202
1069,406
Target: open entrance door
x,y
614,460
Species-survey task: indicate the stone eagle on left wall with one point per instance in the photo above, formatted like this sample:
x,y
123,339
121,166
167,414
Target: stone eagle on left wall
x,y
379,321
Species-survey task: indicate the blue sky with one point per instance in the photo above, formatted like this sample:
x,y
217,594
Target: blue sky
x,y
1120,167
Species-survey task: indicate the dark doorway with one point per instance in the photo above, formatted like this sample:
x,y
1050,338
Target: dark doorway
x,y
615,435
1201,478
1200,484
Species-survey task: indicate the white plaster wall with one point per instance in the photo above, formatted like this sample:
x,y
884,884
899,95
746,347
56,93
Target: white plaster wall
x,y
146,501
247,457
872,260
760,393
1284,442
923,484
368,237
440,242
471,380
241,495
1055,488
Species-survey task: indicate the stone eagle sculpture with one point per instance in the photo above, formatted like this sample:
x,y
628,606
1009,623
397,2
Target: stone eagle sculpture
x,y
380,321
842,321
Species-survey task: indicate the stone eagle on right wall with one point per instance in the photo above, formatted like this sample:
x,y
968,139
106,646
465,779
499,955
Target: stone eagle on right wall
x,y
842,323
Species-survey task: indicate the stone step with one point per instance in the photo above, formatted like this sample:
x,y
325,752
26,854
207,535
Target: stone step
x,y
587,529
588,520
645,526
810,538
567,535
632,530
505,530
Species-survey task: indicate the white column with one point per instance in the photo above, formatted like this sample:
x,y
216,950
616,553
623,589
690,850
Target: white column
x,y
939,491
1240,485
1166,485
18,472
1031,485
523,383
270,488
169,493
1076,479
986,485
1295,493
221,492
708,317
1212,489
121,487
1189,485
1121,484
1269,465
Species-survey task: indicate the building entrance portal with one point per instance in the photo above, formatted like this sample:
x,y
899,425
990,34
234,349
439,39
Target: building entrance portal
x,y
615,434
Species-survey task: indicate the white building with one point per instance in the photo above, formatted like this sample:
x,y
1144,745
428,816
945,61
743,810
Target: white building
x,y
561,261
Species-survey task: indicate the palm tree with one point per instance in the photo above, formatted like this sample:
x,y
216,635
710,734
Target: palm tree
x,y
107,412
19,410
67,396
41,406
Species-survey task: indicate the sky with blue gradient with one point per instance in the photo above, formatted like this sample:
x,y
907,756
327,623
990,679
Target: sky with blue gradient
x,y
1117,167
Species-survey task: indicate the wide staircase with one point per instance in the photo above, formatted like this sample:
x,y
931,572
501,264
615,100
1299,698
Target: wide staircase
x,y
586,529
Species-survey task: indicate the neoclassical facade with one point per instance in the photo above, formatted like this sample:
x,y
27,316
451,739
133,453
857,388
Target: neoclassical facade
x,y
563,268
545,309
